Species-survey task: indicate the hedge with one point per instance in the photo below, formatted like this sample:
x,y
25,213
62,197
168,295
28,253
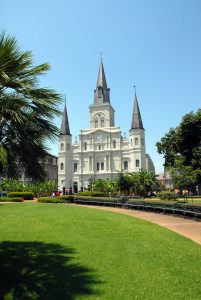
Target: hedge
x,y
168,195
26,195
60,199
91,194
13,199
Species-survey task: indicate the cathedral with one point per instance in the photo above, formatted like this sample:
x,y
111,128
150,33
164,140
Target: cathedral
x,y
101,151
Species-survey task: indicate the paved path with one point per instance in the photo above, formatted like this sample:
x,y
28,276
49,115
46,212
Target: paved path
x,y
186,227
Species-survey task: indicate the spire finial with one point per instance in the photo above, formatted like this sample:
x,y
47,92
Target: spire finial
x,y
135,90
101,56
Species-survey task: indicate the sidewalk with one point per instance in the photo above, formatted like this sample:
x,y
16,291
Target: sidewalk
x,y
186,227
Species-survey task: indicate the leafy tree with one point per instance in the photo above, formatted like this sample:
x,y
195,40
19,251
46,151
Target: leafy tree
x,y
100,185
26,111
184,177
143,182
42,187
124,183
183,144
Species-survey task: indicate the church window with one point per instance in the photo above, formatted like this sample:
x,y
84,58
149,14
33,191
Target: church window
x,y
90,163
61,166
100,92
136,141
75,167
96,123
68,147
85,146
137,163
102,166
99,147
142,141
114,144
98,166
62,147
102,122
125,165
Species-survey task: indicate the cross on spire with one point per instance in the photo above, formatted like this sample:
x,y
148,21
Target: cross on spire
x,y
135,90
101,56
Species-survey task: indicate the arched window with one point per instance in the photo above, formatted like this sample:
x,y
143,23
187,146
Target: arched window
x,y
62,147
137,163
98,166
99,147
85,146
125,165
114,144
102,166
96,123
62,166
102,122
75,167
142,141
100,91
68,147
136,141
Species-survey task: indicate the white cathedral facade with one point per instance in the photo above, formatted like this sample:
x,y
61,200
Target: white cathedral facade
x,y
101,151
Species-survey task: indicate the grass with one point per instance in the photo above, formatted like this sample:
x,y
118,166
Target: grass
x,y
56,251
190,200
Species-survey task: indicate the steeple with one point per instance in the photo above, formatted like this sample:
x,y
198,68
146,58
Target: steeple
x,y
65,130
136,118
101,93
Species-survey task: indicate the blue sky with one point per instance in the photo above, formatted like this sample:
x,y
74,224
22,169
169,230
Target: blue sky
x,y
155,45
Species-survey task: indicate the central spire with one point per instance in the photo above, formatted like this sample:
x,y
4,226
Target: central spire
x,y
101,93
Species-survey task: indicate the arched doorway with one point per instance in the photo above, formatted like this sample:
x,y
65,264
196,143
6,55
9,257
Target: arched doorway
x,y
75,187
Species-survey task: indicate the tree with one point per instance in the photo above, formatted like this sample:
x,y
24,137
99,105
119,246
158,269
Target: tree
x,y
26,111
183,144
184,177
143,182
124,183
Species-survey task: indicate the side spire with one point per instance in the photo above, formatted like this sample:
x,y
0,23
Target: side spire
x,y
101,93
136,118
65,130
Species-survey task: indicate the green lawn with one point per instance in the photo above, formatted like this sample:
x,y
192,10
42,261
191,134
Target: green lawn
x,y
56,251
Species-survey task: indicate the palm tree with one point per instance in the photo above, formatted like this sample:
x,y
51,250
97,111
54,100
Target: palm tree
x,y
26,111
143,182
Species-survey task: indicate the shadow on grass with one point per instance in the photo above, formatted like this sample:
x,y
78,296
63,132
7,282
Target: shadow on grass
x,y
35,270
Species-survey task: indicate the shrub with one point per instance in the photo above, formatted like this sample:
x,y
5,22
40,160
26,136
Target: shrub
x,y
13,199
60,199
66,198
26,195
168,195
93,194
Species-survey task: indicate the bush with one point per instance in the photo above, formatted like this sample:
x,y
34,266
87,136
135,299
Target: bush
x,y
168,195
91,194
66,198
60,199
26,195
13,199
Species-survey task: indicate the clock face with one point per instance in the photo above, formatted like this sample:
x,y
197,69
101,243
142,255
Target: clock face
x,y
99,137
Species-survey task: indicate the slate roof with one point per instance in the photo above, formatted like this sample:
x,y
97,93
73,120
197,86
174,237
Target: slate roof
x,y
101,83
65,130
136,118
